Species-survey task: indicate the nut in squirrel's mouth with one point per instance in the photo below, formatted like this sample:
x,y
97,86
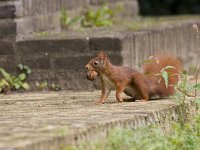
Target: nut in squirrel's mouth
x,y
92,75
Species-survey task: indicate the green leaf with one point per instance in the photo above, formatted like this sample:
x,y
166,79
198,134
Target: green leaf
x,y
100,23
170,67
16,86
20,66
164,74
99,17
74,20
25,86
197,86
6,75
1,83
55,87
22,76
27,69
42,85
197,99
64,17
148,61
5,83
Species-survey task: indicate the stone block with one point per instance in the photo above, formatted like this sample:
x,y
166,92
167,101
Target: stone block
x,y
6,47
115,58
8,63
141,47
128,52
46,22
53,46
72,63
24,25
38,23
42,75
75,80
35,62
129,8
7,28
79,62
7,11
105,43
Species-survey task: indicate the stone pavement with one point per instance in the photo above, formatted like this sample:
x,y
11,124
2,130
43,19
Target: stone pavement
x,y
51,121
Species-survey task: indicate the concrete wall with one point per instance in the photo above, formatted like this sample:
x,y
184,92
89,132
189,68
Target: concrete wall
x,y
7,35
180,39
62,60
40,15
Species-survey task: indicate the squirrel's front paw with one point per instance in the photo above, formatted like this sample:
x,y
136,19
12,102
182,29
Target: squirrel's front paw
x,y
99,102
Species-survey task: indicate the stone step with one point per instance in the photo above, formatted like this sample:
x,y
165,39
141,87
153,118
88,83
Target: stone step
x,y
6,47
53,121
62,59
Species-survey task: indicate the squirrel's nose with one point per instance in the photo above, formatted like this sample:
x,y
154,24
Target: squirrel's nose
x,y
87,67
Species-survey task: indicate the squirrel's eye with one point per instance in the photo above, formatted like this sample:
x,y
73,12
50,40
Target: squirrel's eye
x,y
95,63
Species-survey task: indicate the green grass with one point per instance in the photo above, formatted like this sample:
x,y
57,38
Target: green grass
x,y
185,137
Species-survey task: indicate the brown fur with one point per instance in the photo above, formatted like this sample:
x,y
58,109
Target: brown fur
x,y
152,68
132,82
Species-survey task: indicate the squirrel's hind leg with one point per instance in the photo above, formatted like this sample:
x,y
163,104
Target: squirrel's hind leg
x,y
139,84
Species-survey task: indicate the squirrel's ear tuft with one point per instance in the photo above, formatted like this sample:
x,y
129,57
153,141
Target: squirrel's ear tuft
x,y
102,55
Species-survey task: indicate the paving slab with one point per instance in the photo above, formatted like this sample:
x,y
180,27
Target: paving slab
x,y
53,120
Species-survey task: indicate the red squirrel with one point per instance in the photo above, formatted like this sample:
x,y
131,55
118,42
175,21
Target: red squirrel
x,y
140,85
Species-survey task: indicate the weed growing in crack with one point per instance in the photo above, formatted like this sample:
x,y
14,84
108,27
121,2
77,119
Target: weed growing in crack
x,y
100,17
148,138
10,82
48,86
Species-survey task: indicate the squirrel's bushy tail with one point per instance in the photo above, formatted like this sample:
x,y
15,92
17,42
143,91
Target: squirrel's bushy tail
x,y
153,68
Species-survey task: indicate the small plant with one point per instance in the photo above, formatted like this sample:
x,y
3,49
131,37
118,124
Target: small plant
x,y
24,69
100,17
11,82
46,86
67,21
54,87
182,89
63,131
42,85
148,138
